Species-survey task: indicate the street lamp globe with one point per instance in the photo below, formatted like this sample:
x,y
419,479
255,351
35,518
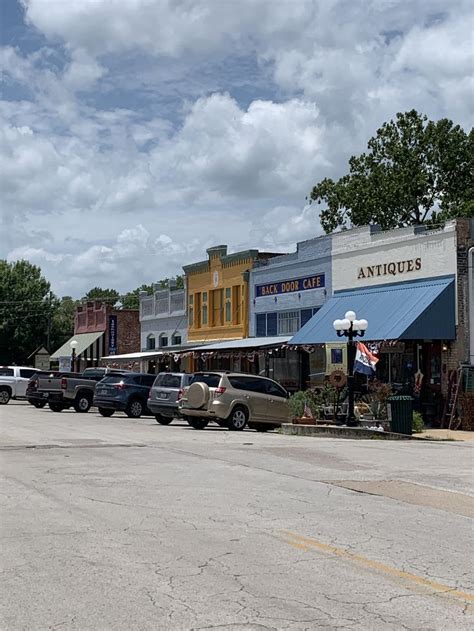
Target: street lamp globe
x,y
337,324
345,324
350,315
363,324
73,344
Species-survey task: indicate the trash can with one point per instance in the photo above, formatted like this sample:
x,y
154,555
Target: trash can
x,y
400,414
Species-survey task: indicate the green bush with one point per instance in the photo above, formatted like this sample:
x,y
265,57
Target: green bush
x,y
298,400
418,425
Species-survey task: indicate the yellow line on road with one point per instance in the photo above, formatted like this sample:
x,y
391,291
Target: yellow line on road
x,y
306,543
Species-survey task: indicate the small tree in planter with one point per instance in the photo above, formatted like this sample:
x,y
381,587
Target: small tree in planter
x,y
301,401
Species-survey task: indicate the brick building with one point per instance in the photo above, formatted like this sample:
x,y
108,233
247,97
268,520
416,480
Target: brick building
x,y
100,330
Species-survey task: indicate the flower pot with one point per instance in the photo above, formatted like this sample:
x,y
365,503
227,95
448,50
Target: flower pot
x,y
303,420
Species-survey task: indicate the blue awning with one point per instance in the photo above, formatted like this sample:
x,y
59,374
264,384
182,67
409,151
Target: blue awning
x,y
416,310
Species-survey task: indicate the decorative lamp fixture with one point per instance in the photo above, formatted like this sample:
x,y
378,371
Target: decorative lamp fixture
x,y
351,328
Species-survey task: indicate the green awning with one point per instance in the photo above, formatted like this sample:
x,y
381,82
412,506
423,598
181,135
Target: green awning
x,y
84,340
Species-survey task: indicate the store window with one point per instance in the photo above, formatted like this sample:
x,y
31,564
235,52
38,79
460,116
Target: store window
x,y
236,302
288,322
267,324
191,310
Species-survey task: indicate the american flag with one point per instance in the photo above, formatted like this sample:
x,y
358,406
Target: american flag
x,y
307,411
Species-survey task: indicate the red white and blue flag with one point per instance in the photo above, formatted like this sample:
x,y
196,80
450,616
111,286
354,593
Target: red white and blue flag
x,y
365,361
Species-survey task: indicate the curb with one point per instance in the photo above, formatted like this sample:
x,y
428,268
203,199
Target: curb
x,y
357,433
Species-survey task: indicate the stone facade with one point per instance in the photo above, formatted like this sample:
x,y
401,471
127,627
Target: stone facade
x,y
163,320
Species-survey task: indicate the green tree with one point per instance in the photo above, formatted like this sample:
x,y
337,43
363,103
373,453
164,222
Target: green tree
x,y
25,310
415,171
131,300
62,322
110,296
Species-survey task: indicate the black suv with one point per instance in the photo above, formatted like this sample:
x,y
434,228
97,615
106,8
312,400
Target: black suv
x,y
127,393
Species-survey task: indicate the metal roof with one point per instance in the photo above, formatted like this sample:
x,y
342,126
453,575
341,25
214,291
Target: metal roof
x,y
84,340
415,310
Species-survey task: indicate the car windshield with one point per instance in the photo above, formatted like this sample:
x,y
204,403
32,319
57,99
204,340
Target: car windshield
x,y
168,381
212,380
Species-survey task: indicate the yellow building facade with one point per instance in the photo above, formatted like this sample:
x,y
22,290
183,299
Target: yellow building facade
x,y
218,295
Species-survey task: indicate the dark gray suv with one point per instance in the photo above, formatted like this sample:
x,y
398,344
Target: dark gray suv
x,y
127,393
165,394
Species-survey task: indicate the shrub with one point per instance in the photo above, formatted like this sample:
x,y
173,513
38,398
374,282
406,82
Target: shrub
x,y
418,425
298,400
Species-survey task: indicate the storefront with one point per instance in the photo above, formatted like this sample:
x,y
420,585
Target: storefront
x,y
99,330
410,284
285,293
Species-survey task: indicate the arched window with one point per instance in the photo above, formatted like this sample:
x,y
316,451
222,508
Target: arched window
x,y
150,342
163,340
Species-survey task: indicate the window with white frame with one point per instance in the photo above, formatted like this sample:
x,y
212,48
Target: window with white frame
x,y
288,322
150,342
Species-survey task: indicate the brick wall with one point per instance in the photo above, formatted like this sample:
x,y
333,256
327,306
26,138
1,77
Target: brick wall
x,y
128,331
458,351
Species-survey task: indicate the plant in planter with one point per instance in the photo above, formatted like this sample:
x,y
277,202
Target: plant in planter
x,y
301,401
377,398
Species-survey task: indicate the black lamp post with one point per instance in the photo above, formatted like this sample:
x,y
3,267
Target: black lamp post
x,y
73,345
351,328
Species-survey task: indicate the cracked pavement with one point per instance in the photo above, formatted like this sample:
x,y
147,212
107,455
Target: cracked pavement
x,y
124,524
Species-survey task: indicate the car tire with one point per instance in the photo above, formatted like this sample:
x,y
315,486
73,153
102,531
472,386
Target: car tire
x,y
5,396
238,418
197,423
106,412
163,420
82,403
39,404
135,408
55,407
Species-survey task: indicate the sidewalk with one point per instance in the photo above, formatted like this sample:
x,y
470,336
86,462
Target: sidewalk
x,y
444,434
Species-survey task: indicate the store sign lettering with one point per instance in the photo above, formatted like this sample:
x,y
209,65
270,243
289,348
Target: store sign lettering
x,y
112,335
389,269
290,286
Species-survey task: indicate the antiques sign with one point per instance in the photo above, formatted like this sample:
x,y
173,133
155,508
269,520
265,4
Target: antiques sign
x,y
289,286
389,269
112,335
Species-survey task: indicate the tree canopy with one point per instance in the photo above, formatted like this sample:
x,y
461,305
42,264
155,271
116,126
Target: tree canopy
x,y
110,296
415,171
25,308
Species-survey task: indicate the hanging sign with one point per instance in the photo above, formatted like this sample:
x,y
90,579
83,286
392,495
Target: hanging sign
x,y
112,334
289,286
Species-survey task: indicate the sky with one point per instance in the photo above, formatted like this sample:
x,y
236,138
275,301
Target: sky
x,y
137,133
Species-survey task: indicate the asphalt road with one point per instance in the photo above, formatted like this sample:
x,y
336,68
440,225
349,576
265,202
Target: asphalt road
x,y
124,524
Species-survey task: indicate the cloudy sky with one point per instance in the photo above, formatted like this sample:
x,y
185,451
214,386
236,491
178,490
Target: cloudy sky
x,y
137,133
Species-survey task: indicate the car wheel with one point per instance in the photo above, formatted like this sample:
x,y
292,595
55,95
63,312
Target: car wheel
x,y
163,420
106,412
82,403
238,418
56,407
4,396
39,404
135,408
197,423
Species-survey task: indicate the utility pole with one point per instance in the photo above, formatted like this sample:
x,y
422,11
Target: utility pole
x,y
48,331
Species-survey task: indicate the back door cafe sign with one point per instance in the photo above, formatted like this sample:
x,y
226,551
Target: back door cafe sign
x,y
289,286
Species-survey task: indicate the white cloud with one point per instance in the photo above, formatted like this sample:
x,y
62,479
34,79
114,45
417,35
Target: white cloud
x,y
119,164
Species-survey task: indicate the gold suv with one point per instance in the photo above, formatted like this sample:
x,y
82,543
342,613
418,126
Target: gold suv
x,y
234,400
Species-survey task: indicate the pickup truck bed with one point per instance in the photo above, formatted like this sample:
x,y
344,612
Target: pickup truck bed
x,y
48,388
78,391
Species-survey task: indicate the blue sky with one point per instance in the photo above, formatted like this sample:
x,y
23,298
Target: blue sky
x,y
137,133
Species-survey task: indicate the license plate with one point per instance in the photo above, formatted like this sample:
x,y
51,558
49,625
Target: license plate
x,y
163,395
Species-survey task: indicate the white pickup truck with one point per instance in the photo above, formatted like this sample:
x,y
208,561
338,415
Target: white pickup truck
x,y
13,382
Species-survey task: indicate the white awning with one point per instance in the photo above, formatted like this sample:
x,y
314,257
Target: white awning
x,y
84,340
248,342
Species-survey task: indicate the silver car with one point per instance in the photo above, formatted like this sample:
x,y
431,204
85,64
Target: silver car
x,y
234,400
165,394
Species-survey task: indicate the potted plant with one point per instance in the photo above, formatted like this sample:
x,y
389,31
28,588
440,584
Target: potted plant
x,y
304,407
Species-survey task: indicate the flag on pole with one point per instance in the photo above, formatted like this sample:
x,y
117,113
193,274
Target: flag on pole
x,y
365,361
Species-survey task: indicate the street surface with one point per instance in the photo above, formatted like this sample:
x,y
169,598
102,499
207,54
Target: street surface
x,y
124,524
